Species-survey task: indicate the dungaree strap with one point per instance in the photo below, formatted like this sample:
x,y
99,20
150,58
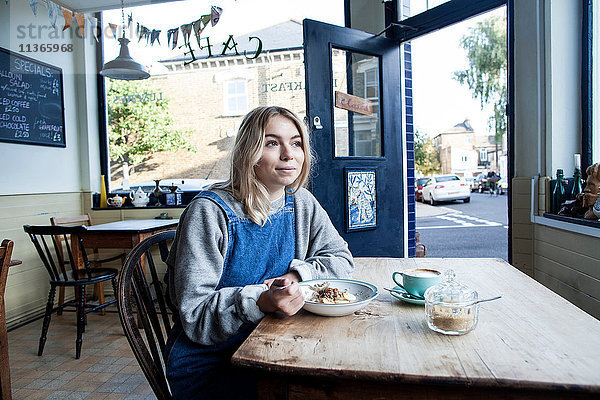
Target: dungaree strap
x,y
207,194
289,199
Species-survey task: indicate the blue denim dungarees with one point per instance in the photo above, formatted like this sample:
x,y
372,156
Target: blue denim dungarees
x,y
254,253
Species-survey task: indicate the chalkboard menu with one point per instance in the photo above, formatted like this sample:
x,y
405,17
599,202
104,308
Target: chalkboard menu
x,y
31,101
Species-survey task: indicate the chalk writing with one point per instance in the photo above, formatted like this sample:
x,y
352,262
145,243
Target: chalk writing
x,y
31,104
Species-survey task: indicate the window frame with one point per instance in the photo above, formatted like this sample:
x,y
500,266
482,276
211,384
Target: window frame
x,y
587,100
226,96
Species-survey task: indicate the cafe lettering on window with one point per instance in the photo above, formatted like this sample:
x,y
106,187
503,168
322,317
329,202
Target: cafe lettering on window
x,y
285,86
142,98
230,44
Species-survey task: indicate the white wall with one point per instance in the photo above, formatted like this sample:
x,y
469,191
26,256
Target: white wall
x,y
40,169
39,182
563,66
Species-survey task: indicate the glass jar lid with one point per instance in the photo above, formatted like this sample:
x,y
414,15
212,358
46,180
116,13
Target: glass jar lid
x,y
449,291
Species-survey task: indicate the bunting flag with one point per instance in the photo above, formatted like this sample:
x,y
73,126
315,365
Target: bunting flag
x,y
33,4
68,18
154,37
186,31
113,28
144,34
81,22
172,34
198,28
215,14
53,9
94,26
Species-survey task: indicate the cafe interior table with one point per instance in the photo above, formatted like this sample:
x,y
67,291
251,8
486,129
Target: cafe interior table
x,y
122,234
531,343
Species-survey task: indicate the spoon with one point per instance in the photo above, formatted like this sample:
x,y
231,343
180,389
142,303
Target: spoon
x,y
403,293
481,301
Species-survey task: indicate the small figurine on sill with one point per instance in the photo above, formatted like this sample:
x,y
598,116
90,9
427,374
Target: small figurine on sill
x,y
591,193
583,205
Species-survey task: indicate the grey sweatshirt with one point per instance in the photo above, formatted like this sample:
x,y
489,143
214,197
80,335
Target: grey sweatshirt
x,y
195,264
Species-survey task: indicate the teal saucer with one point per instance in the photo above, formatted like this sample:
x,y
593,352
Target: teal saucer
x,y
405,297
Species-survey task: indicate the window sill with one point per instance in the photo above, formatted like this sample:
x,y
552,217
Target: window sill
x,y
138,208
576,225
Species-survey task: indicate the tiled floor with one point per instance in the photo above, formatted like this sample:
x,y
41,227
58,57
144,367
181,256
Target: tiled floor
x,y
107,368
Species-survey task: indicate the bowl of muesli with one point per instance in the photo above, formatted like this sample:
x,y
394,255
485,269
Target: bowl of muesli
x,y
336,297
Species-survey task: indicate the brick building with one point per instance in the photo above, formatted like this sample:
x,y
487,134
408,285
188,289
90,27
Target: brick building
x,y
464,152
209,96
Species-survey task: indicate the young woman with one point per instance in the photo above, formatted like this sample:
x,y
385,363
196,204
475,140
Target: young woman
x,y
240,250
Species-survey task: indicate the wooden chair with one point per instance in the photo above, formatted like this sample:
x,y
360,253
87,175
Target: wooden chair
x,y
5,254
45,240
141,292
95,259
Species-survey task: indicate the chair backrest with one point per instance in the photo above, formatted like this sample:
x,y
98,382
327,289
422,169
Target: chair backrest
x,y
5,254
142,300
85,219
51,250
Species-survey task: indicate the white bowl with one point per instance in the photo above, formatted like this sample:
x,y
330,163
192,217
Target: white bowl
x,y
364,292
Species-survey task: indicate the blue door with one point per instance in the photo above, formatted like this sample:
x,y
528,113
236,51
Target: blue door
x,y
354,111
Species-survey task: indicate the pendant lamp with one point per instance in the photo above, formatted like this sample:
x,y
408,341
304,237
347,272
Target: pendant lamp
x,y
124,67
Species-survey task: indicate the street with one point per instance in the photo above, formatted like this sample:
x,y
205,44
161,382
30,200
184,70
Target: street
x,y
457,229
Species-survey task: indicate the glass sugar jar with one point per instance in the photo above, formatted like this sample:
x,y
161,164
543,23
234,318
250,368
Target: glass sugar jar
x,y
447,306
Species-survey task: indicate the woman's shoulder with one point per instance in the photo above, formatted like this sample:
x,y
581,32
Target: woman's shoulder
x,y
305,199
215,198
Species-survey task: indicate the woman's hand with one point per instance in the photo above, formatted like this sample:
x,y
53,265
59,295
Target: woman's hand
x,y
284,295
292,275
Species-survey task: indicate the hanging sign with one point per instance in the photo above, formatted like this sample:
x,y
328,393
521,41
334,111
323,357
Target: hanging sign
x,y
353,103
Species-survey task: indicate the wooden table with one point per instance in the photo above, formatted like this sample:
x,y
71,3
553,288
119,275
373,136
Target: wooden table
x,y
121,234
532,343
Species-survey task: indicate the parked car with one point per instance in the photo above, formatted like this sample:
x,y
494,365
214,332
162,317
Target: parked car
x,y
446,188
419,183
471,182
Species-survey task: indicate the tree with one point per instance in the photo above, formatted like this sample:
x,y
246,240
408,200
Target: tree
x,y
486,76
426,155
139,124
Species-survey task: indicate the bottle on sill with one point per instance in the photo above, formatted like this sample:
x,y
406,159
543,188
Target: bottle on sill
x,y
559,193
577,186
103,199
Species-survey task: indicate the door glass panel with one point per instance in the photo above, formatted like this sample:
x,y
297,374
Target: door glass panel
x,y
356,112
414,7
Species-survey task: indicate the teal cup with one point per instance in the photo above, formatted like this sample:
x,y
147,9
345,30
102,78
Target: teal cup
x,y
417,281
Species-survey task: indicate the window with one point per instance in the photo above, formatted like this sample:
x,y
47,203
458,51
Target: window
x,y
235,98
447,178
483,155
590,141
595,81
198,97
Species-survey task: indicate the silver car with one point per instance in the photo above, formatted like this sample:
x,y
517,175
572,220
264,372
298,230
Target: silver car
x,y
446,188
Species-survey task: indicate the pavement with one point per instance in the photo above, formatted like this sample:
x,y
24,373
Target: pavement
x,y
425,210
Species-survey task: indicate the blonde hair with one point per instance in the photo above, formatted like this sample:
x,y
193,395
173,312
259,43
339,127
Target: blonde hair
x,y
243,183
